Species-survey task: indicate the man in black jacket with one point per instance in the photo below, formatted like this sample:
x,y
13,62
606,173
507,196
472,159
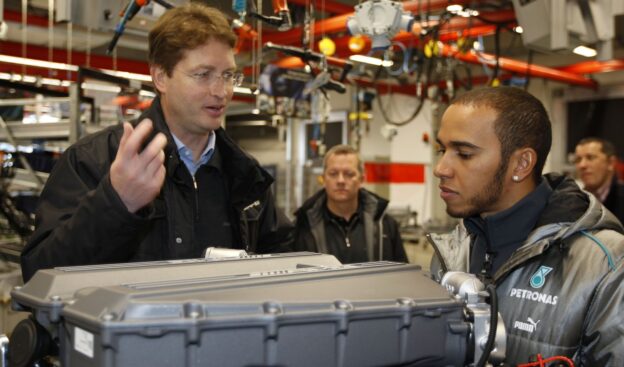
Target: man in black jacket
x,y
595,162
171,185
344,219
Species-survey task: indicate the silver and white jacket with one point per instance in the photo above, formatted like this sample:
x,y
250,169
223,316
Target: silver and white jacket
x,y
561,293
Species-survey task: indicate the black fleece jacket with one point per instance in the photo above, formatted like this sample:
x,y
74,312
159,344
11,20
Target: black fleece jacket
x,y
81,220
382,239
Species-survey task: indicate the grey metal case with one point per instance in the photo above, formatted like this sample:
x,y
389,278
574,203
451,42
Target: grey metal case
x,y
287,310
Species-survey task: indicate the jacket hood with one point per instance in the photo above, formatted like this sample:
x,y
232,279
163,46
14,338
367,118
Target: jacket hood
x,y
571,210
371,203
248,181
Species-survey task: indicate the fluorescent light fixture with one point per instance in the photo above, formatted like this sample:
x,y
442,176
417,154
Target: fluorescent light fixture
x,y
243,90
33,79
53,82
101,87
37,63
518,29
29,79
371,60
61,66
454,8
127,75
459,10
147,93
585,51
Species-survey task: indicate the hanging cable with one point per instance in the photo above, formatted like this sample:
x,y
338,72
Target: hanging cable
x,y
420,96
527,75
494,79
491,339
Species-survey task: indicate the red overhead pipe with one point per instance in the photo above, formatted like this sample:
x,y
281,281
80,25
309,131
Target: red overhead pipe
x,y
339,23
593,67
78,58
521,67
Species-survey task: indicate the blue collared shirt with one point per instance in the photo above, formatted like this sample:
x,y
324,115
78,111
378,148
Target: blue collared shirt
x,y
187,155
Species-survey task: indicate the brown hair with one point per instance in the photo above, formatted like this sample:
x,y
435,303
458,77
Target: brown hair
x,y
184,28
522,121
605,146
343,149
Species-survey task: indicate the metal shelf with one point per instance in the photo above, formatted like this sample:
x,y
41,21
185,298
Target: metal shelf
x,y
50,130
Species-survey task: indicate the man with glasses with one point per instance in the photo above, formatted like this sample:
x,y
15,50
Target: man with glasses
x,y
171,185
346,220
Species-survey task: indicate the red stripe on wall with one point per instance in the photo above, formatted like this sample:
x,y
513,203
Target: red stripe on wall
x,y
394,172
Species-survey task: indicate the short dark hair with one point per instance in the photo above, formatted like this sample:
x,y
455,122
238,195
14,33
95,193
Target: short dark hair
x,y
343,149
607,147
522,121
185,28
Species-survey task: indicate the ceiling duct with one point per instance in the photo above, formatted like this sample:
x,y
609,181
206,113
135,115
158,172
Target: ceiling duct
x,y
562,25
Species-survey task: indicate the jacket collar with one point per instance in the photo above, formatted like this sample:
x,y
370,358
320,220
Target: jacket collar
x,y
576,209
369,202
511,227
247,180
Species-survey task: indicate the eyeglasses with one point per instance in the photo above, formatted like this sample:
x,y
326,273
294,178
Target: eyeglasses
x,y
230,78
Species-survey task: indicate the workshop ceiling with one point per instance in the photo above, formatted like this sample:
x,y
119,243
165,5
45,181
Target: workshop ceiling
x,y
131,50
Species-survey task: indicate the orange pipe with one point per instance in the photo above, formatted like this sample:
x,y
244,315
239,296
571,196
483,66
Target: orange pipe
x,y
593,67
339,23
521,67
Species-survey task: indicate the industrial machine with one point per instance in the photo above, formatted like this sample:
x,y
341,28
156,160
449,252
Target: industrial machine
x,y
297,309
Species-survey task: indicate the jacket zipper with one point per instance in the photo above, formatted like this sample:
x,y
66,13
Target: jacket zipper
x,y
437,251
244,219
196,199
380,228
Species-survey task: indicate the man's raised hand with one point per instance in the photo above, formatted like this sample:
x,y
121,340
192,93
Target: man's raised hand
x,y
137,176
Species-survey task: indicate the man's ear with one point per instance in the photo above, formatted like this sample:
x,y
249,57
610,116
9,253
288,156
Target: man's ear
x,y
158,77
320,180
522,163
612,163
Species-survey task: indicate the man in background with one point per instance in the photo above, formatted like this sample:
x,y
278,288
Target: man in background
x,y
171,185
552,251
595,162
344,219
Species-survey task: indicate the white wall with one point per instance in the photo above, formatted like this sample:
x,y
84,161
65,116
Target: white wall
x,y
408,146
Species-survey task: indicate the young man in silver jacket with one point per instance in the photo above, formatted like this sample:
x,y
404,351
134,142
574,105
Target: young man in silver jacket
x,y
553,252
